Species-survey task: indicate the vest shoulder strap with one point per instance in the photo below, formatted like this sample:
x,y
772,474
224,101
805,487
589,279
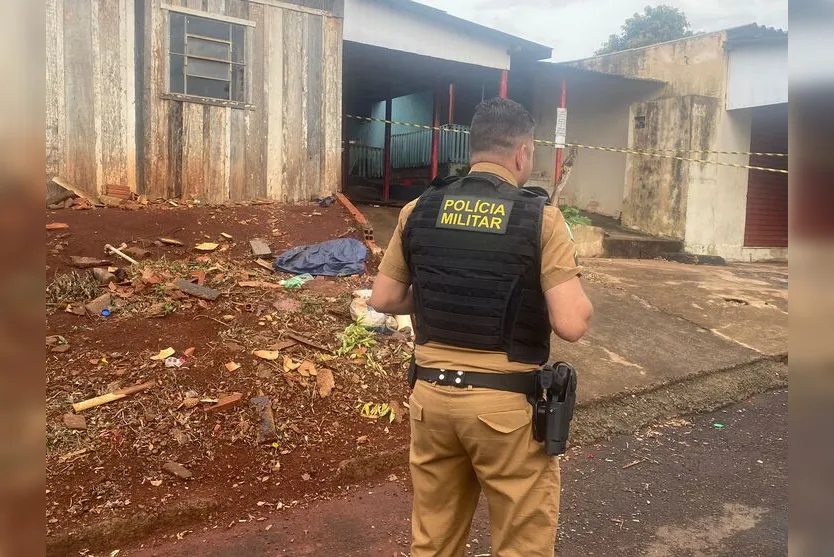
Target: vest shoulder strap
x,y
439,182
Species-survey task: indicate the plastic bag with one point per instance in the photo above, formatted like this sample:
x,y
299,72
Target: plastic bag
x,y
367,316
296,282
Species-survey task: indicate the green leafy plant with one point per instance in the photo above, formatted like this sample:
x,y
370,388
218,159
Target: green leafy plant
x,y
355,336
574,217
655,25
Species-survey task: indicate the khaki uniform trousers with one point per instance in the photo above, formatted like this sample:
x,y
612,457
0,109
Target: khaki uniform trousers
x,y
465,440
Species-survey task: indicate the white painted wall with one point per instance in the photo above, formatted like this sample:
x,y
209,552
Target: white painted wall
x,y
717,195
375,23
598,115
757,76
597,180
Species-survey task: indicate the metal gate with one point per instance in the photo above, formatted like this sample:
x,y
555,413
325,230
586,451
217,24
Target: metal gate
x,y
766,224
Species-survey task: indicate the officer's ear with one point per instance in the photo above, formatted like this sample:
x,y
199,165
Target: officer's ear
x,y
519,157
523,153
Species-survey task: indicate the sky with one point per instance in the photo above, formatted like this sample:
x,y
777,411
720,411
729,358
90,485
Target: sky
x,y
575,28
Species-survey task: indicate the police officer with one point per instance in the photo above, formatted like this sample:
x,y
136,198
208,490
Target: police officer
x,y
488,269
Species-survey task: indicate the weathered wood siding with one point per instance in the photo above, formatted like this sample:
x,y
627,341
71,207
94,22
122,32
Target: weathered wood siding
x,y
284,143
90,93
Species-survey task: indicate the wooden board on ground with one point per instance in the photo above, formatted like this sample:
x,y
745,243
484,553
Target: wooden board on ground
x,y
265,264
110,397
197,291
77,191
260,248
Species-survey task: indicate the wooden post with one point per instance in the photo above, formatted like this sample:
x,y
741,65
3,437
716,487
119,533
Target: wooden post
x,y
435,137
502,89
557,175
386,169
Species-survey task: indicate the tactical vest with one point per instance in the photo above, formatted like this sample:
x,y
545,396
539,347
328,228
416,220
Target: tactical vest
x,y
473,246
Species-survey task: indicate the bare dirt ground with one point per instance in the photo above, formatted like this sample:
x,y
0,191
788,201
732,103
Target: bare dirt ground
x,y
107,480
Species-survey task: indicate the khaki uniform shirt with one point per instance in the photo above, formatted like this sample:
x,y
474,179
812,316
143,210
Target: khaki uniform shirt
x,y
558,265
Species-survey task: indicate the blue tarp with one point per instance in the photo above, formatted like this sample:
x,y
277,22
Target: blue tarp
x,y
334,258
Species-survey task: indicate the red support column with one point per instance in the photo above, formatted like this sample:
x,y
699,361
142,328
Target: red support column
x,y
451,103
557,174
435,137
502,89
386,169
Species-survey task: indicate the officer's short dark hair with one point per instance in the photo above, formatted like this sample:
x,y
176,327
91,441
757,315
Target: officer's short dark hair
x,y
498,125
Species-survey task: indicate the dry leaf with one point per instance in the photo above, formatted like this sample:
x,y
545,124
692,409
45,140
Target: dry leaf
x,y
227,236
290,365
232,366
170,242
149,277
57,226
283,345
307,368
266,354
156,483
325,382
167,353
207,246
189,351
189,403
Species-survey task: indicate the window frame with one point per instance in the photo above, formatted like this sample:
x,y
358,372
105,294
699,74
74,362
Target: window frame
x,y
247,25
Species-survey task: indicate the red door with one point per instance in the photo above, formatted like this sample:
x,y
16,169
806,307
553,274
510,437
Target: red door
x,y
766,224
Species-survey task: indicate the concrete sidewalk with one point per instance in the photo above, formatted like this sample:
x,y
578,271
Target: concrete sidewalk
x,y
657,321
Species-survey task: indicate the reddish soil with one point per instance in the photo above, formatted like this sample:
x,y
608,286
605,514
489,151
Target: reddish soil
x,y
112,470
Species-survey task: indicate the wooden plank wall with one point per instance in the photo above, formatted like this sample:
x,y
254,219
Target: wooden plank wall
x,y
90,117
284,145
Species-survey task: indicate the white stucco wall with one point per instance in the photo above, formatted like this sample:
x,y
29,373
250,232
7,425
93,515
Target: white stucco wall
x,y
717,195
598,115
757,75
375,23
597,180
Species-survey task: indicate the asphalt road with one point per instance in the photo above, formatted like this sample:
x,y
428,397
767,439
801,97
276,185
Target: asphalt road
x,y
709,486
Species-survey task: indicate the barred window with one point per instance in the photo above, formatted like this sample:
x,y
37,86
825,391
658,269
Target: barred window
x,y
207,57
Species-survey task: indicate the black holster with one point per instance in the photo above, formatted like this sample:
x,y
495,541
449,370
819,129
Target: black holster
x,y
553,404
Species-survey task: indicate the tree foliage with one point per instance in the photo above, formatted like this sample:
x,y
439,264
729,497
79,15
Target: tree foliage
x,y
655,25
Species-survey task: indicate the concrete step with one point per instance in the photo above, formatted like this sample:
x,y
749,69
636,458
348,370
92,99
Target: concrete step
x,y
639,248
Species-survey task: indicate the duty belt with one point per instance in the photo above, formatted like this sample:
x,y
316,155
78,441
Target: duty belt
x,y
551,390
524,383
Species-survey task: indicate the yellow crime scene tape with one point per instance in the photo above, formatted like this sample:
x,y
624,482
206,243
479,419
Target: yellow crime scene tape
x,y
658,153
